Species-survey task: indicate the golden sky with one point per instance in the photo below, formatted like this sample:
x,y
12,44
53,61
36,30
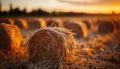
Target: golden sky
x,y
88,6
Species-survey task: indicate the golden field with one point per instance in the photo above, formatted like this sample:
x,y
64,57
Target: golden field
x,y
88,42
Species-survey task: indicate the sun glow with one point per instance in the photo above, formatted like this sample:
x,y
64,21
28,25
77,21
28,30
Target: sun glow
x,y
87,6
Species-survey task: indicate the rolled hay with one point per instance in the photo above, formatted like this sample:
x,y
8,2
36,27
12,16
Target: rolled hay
x,y
7,21
10,36
54,22
117,24
88,23
79,28
51,47
11,53
21,23
35,23
105,26
42,22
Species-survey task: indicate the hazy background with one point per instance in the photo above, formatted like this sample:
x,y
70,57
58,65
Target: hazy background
x,y
86,6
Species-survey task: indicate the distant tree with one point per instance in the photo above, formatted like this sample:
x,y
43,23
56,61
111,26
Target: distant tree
x,y
11,8
113,12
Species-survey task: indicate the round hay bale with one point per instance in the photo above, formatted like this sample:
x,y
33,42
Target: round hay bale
x,y
78,28
105,27
50,47
10,36
52,23
88,23
117,24
42,22
7,21
35,23
21,23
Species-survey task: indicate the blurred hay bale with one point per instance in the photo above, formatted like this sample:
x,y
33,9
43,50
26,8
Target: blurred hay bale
x,y
7,20
88,23
10,36
42,22
51,47
54,22
105,27
21,23
117,24
78,28
35,23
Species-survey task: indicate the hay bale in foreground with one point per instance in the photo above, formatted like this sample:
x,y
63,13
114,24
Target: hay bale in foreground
x,y
78,28
10,36
105,27
21,23
35,23
51,47
52,23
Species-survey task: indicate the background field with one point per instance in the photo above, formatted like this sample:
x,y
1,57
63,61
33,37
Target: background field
x,y
97,50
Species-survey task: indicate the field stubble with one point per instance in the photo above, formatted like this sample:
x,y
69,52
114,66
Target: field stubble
x,y
97,50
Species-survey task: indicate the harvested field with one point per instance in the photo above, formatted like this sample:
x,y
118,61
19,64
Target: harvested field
x,y
93,46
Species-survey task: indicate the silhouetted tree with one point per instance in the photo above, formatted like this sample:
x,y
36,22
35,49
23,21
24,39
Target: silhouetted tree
x,y
11,8
39,12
